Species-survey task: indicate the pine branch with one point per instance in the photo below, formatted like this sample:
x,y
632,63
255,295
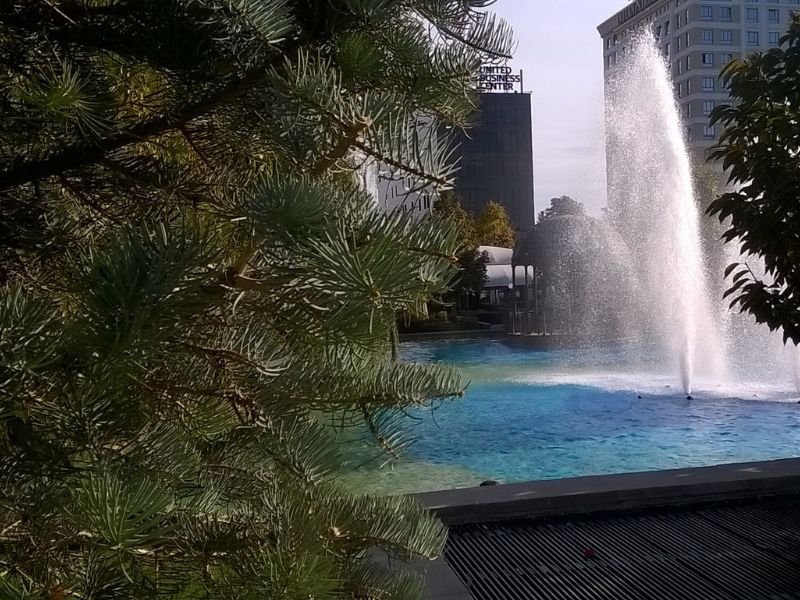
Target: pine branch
x,y
460,38
80,196
222,354
377,434
348,139
242,282
235,274
388,160
59,11
227,288
82,155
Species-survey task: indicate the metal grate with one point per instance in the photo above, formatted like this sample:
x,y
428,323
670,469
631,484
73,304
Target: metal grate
x,y
748,551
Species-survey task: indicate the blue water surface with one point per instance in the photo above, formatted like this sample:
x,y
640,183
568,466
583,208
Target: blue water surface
x,y
531,415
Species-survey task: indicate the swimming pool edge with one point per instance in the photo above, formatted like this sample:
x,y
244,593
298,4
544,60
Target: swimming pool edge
x,y
610,493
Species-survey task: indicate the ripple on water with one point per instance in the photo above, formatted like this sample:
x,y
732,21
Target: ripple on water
x,y
532,415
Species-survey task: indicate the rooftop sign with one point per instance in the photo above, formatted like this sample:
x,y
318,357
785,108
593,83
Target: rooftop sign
x,y
633,9
499,79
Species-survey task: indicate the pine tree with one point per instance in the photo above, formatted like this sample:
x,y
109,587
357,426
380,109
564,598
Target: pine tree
x,y
196,293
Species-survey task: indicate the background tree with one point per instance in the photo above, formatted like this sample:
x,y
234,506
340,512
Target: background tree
x,y
758,147
469,280
448,207
563,205
493,227
194,288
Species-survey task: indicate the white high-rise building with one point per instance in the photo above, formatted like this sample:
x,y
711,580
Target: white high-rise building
x,y
394,190
699,37
403,193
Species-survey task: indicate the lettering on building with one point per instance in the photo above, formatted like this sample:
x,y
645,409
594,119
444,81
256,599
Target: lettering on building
x,y
499,79
634,9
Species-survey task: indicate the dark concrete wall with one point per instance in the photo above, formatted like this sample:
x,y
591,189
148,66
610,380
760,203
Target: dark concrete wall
x,y
497,158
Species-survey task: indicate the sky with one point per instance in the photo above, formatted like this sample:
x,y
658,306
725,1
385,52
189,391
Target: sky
x,y
561,54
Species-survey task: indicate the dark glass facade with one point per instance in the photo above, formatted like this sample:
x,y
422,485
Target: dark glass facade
x,y
497,158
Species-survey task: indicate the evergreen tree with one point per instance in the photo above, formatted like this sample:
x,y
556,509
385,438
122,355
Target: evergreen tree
x,y
195,288
493,227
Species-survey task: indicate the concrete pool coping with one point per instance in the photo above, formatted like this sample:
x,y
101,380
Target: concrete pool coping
x,y
608,493
600,494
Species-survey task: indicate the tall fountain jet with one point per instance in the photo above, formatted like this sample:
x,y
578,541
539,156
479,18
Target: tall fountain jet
x,y
652,204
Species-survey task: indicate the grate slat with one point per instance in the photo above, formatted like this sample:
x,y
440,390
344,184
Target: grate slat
x,y
749,551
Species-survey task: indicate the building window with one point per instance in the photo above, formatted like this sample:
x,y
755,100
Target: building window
x,y
752,38
686,16
708,84
773,38
688,40
708,106
726,36
678,40
688,86
666,26
688,62
752,15
725,58
679,65
687,110
725,13
678,21
658,32
773,15
680,90
608,43
689,133
708,36
708,132
666,49
708,59
616,39
707,13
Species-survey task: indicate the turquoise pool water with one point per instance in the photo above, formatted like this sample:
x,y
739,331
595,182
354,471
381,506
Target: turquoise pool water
x,y
532,415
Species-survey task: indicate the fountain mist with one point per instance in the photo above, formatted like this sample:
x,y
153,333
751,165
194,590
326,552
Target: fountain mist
x,y
652,204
